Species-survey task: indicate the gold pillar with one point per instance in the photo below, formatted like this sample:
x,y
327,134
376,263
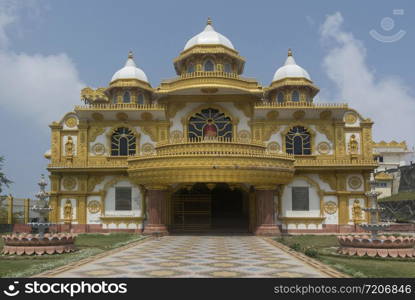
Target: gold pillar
x,y
82,199
26,210
10,210
82,142
339,142
53,200
55,142
343,208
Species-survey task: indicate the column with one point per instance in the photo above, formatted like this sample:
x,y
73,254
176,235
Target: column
x,y
265,209
156,210
10,210
26,210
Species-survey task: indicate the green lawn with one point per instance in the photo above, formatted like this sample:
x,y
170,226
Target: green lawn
x,y
87,244
325,246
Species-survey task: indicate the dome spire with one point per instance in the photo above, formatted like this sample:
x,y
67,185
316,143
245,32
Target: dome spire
x,y
130,54
209,21
290,53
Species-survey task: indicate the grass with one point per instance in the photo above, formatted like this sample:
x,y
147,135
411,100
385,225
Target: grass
x,y
326,246
87,244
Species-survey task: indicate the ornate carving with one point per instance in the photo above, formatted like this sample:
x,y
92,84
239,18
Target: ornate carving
x,y
151,131
146,116
98,149
299,115
122,116
323,148
97,117
71,122
269,129
67,212
94,206
350,118
244,136
176,136
329,179
327,130
69,183
325,115
93,181
174,108
69,151
353,144
94,132
330,207
147,149
357,212
355,182
245,107
272,115
273,147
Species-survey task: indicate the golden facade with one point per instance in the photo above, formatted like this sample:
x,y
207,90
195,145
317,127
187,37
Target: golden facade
x,y
206,133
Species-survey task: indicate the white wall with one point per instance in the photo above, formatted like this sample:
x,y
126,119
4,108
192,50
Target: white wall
x,y
314,204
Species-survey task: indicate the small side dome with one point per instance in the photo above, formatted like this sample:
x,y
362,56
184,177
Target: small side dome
x,y
290,69
130,71
48,154
209,37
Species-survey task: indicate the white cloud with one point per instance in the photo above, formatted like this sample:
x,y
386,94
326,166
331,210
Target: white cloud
x,y
39,88
387,101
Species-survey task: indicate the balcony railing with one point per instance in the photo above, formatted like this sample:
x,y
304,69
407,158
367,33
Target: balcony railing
x,y
120,106
301,104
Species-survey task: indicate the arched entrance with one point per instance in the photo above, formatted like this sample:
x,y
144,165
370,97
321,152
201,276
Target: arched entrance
x,y
210,207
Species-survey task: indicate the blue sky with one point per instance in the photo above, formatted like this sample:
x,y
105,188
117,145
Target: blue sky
x,y
50,49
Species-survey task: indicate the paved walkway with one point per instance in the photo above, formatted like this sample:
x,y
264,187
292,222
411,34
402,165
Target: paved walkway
x,y
197,256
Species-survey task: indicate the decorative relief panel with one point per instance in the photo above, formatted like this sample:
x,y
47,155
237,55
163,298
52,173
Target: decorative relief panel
x,y
98,149
71,122
69,183
323,148
354,182
244,136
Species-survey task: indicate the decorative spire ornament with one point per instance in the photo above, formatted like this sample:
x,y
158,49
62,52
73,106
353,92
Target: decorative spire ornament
x,y
209,21
290,53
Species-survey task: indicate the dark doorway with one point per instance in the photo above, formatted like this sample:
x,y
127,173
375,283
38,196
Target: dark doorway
x,y
229,209
218,209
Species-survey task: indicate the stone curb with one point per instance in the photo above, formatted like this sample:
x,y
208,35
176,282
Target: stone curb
x,y
319,266
75,264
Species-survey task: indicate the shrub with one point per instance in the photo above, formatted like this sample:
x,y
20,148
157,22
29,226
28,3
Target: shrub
x,y
296,246
311,252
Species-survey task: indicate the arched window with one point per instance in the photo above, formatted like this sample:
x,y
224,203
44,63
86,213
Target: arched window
x,y
140,98
123,142
298,141
295,96
126,98
114,99
280,97
227,68
209,66
191,68
210,123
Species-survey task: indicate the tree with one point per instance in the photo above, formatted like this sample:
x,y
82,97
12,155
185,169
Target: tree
x,y
4,181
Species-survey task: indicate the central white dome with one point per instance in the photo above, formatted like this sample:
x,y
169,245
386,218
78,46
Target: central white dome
x,y
209,37
130,71
290,69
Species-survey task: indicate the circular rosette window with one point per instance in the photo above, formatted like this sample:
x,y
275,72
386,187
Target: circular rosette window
x,y
210,123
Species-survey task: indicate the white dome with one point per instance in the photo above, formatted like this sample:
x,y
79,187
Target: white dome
x,y
290,69
209,37
130,71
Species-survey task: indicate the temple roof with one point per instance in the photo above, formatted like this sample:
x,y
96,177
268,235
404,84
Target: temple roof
x,y
290,69
130,71
209,37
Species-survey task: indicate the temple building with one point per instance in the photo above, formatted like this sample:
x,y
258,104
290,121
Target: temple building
x,y
210,150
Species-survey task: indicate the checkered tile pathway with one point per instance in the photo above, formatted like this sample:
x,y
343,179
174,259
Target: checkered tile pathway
x,y
197,256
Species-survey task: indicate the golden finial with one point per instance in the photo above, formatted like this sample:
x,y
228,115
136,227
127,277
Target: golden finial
x,y
130,54
209,21
290,53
